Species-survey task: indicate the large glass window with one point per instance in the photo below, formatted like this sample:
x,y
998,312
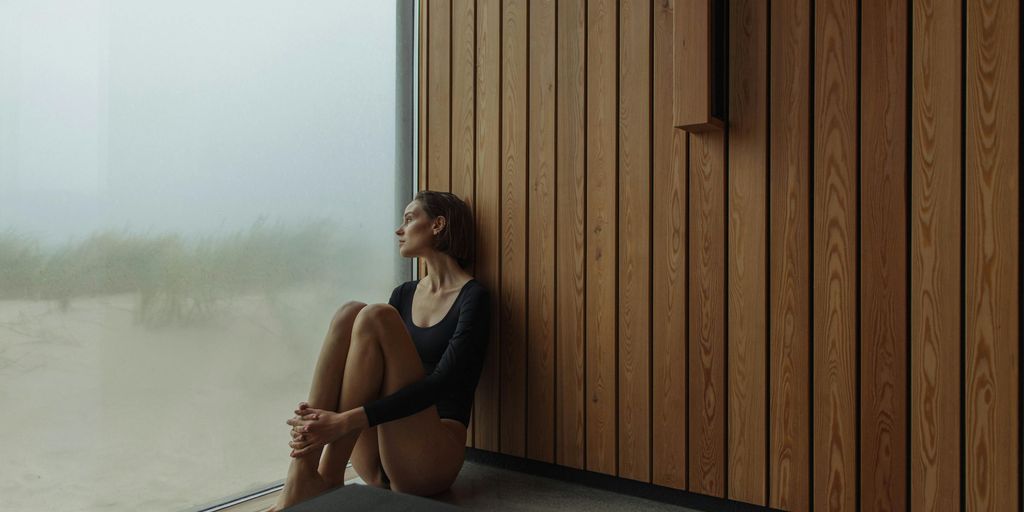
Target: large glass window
x,y
188,191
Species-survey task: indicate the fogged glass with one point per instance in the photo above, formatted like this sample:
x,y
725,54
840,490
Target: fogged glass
x,y
188,192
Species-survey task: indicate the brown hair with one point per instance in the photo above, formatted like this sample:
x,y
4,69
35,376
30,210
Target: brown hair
x,y
457,238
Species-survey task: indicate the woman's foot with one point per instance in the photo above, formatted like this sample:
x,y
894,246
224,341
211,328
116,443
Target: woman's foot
x,y
300,489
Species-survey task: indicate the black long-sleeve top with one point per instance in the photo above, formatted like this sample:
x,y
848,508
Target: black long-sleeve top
x,y
452,352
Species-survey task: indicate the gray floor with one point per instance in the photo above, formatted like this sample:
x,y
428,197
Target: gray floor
x,y
483,487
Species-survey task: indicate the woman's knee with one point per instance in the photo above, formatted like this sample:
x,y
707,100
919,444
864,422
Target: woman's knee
x,y
346,315
373,315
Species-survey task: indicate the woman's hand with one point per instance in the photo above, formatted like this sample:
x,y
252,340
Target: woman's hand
x,y
314,428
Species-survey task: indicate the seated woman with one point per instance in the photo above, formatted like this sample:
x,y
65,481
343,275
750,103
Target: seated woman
x,y
393,386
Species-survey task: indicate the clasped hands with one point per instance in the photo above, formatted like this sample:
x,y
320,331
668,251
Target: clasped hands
x,y
314,428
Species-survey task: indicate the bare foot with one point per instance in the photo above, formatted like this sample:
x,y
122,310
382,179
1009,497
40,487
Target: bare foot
x,y
301,489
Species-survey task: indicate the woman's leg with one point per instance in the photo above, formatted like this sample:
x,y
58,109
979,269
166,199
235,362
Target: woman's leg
x,y
420,453
303,478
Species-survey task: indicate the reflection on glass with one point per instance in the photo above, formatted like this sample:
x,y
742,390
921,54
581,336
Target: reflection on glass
x,y
188,191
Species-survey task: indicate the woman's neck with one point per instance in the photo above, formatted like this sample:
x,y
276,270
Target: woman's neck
x,y
443,273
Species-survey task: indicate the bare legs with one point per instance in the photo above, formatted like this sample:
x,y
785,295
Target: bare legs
x,y
304,480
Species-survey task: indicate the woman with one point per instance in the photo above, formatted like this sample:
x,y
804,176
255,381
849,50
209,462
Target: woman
x,y
393,386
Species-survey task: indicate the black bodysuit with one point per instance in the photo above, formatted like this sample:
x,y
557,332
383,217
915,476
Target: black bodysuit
x,y
452,352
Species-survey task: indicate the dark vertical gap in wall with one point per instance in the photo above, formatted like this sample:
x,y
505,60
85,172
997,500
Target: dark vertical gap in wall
x,y
526,253
963,252
554,325
650,244
586,200
476,173
686,301
768,258
859,249
908,180
618,106
810,235
501,183
722,63
451,87
425,94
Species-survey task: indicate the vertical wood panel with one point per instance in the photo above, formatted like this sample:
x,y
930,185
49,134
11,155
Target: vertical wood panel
x,y
513,227
669,270
707,314
463,116
883,255
463,119
424,95
835,252
634,239
439,96
601,236
570,447
748,63
935,257
540,371
488,196
991,251
789,243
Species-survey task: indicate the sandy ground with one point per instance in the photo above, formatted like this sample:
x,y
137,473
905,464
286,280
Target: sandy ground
x,y
104,414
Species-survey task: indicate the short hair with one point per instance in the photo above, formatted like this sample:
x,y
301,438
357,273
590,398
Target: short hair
x,y
457,239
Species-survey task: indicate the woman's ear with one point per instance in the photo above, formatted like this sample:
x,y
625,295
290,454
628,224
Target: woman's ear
x,y
439,224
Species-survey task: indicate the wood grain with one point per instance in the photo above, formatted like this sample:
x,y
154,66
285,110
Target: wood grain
x,y
634,239
883,279
935,257
789,245
439,96
835,253
463,118
602,249
747,230
488,212
540,399
424,103
991,250
707,314
570,441
513,227
669,382
463,99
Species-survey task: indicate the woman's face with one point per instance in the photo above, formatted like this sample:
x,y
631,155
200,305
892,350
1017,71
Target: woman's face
x,y
416,234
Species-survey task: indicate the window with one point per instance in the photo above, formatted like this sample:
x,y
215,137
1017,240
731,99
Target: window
x,y
188,191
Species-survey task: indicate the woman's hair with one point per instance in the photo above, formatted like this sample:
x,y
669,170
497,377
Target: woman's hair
x,y
457,238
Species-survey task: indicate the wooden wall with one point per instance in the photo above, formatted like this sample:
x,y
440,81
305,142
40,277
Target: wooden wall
x,y
814,309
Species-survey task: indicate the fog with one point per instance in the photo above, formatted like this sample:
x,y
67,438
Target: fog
x,y
188,191
196,116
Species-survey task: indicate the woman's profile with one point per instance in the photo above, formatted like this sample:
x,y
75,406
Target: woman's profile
x,y
393,385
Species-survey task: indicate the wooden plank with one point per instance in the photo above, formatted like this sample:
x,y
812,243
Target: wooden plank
x,y
488,208
463,101
540,370
602,17
935,257
439,96
570,442
883,321
463,118
513,228
634,343
422,133
668,400
747,317
707,314
424,94
991,251
835,253
789,246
